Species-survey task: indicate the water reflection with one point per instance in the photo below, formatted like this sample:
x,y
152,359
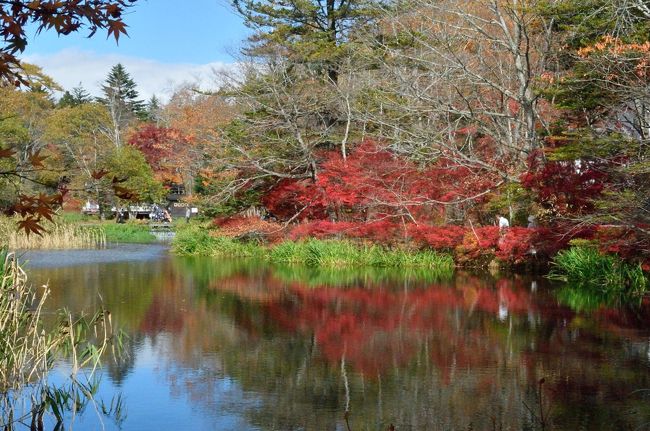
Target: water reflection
x,y
243,345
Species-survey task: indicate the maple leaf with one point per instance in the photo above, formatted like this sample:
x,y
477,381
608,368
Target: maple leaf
x,y
6,153
31,225
36,160
98,175
115,28
113,10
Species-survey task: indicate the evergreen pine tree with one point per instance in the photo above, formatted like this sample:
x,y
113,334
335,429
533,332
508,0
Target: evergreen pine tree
x,y
153,109
75,97
119,89
122,100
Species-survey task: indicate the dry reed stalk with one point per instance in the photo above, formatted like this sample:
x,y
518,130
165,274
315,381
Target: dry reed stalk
x,y
57,236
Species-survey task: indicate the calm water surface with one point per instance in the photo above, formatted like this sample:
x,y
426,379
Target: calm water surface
x,y
241,345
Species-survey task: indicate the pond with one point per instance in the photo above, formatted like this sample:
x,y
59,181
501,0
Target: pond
x,y
243,345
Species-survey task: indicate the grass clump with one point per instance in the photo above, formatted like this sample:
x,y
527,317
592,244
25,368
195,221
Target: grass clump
x,y
128,233
195,240
586,267
333,254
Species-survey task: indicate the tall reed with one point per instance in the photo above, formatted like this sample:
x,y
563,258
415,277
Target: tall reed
x,y
59,235
28,349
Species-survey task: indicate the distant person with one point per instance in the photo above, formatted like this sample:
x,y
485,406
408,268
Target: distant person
x,y
121,217
503,223
188,214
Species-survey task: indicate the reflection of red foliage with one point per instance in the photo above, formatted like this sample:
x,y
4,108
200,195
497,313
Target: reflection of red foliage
x,y
367,325
162,315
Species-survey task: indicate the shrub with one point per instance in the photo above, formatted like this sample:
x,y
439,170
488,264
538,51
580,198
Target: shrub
x,y
438,237
383,231
478,246
323,229
239,226
587,267
517,245
326,253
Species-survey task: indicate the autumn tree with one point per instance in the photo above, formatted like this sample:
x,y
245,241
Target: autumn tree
x,y
81,135
598,148
165,150
63,17
197,120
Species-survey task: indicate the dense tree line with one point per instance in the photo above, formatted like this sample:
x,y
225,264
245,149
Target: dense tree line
x,y
427,112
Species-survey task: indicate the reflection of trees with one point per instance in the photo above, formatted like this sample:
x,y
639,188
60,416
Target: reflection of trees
x,y
415,353
124,288
120,366
421,357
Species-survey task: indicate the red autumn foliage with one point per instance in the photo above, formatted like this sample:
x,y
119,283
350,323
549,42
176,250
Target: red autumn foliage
x,y
624,241
565,186
234,227
383,232
479,244
372,184
437,237
517,245
162,147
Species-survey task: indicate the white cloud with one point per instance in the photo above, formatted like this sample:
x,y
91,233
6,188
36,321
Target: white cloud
x,y
70,67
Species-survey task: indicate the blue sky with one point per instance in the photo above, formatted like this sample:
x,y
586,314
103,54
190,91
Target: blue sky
x,y
170,41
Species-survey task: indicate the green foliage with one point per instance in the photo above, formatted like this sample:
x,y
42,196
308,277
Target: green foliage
x,y
511,196
75,97
195,240
233,204
312,32
580,90
586,21
120,93
586,267
128,163
128,233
